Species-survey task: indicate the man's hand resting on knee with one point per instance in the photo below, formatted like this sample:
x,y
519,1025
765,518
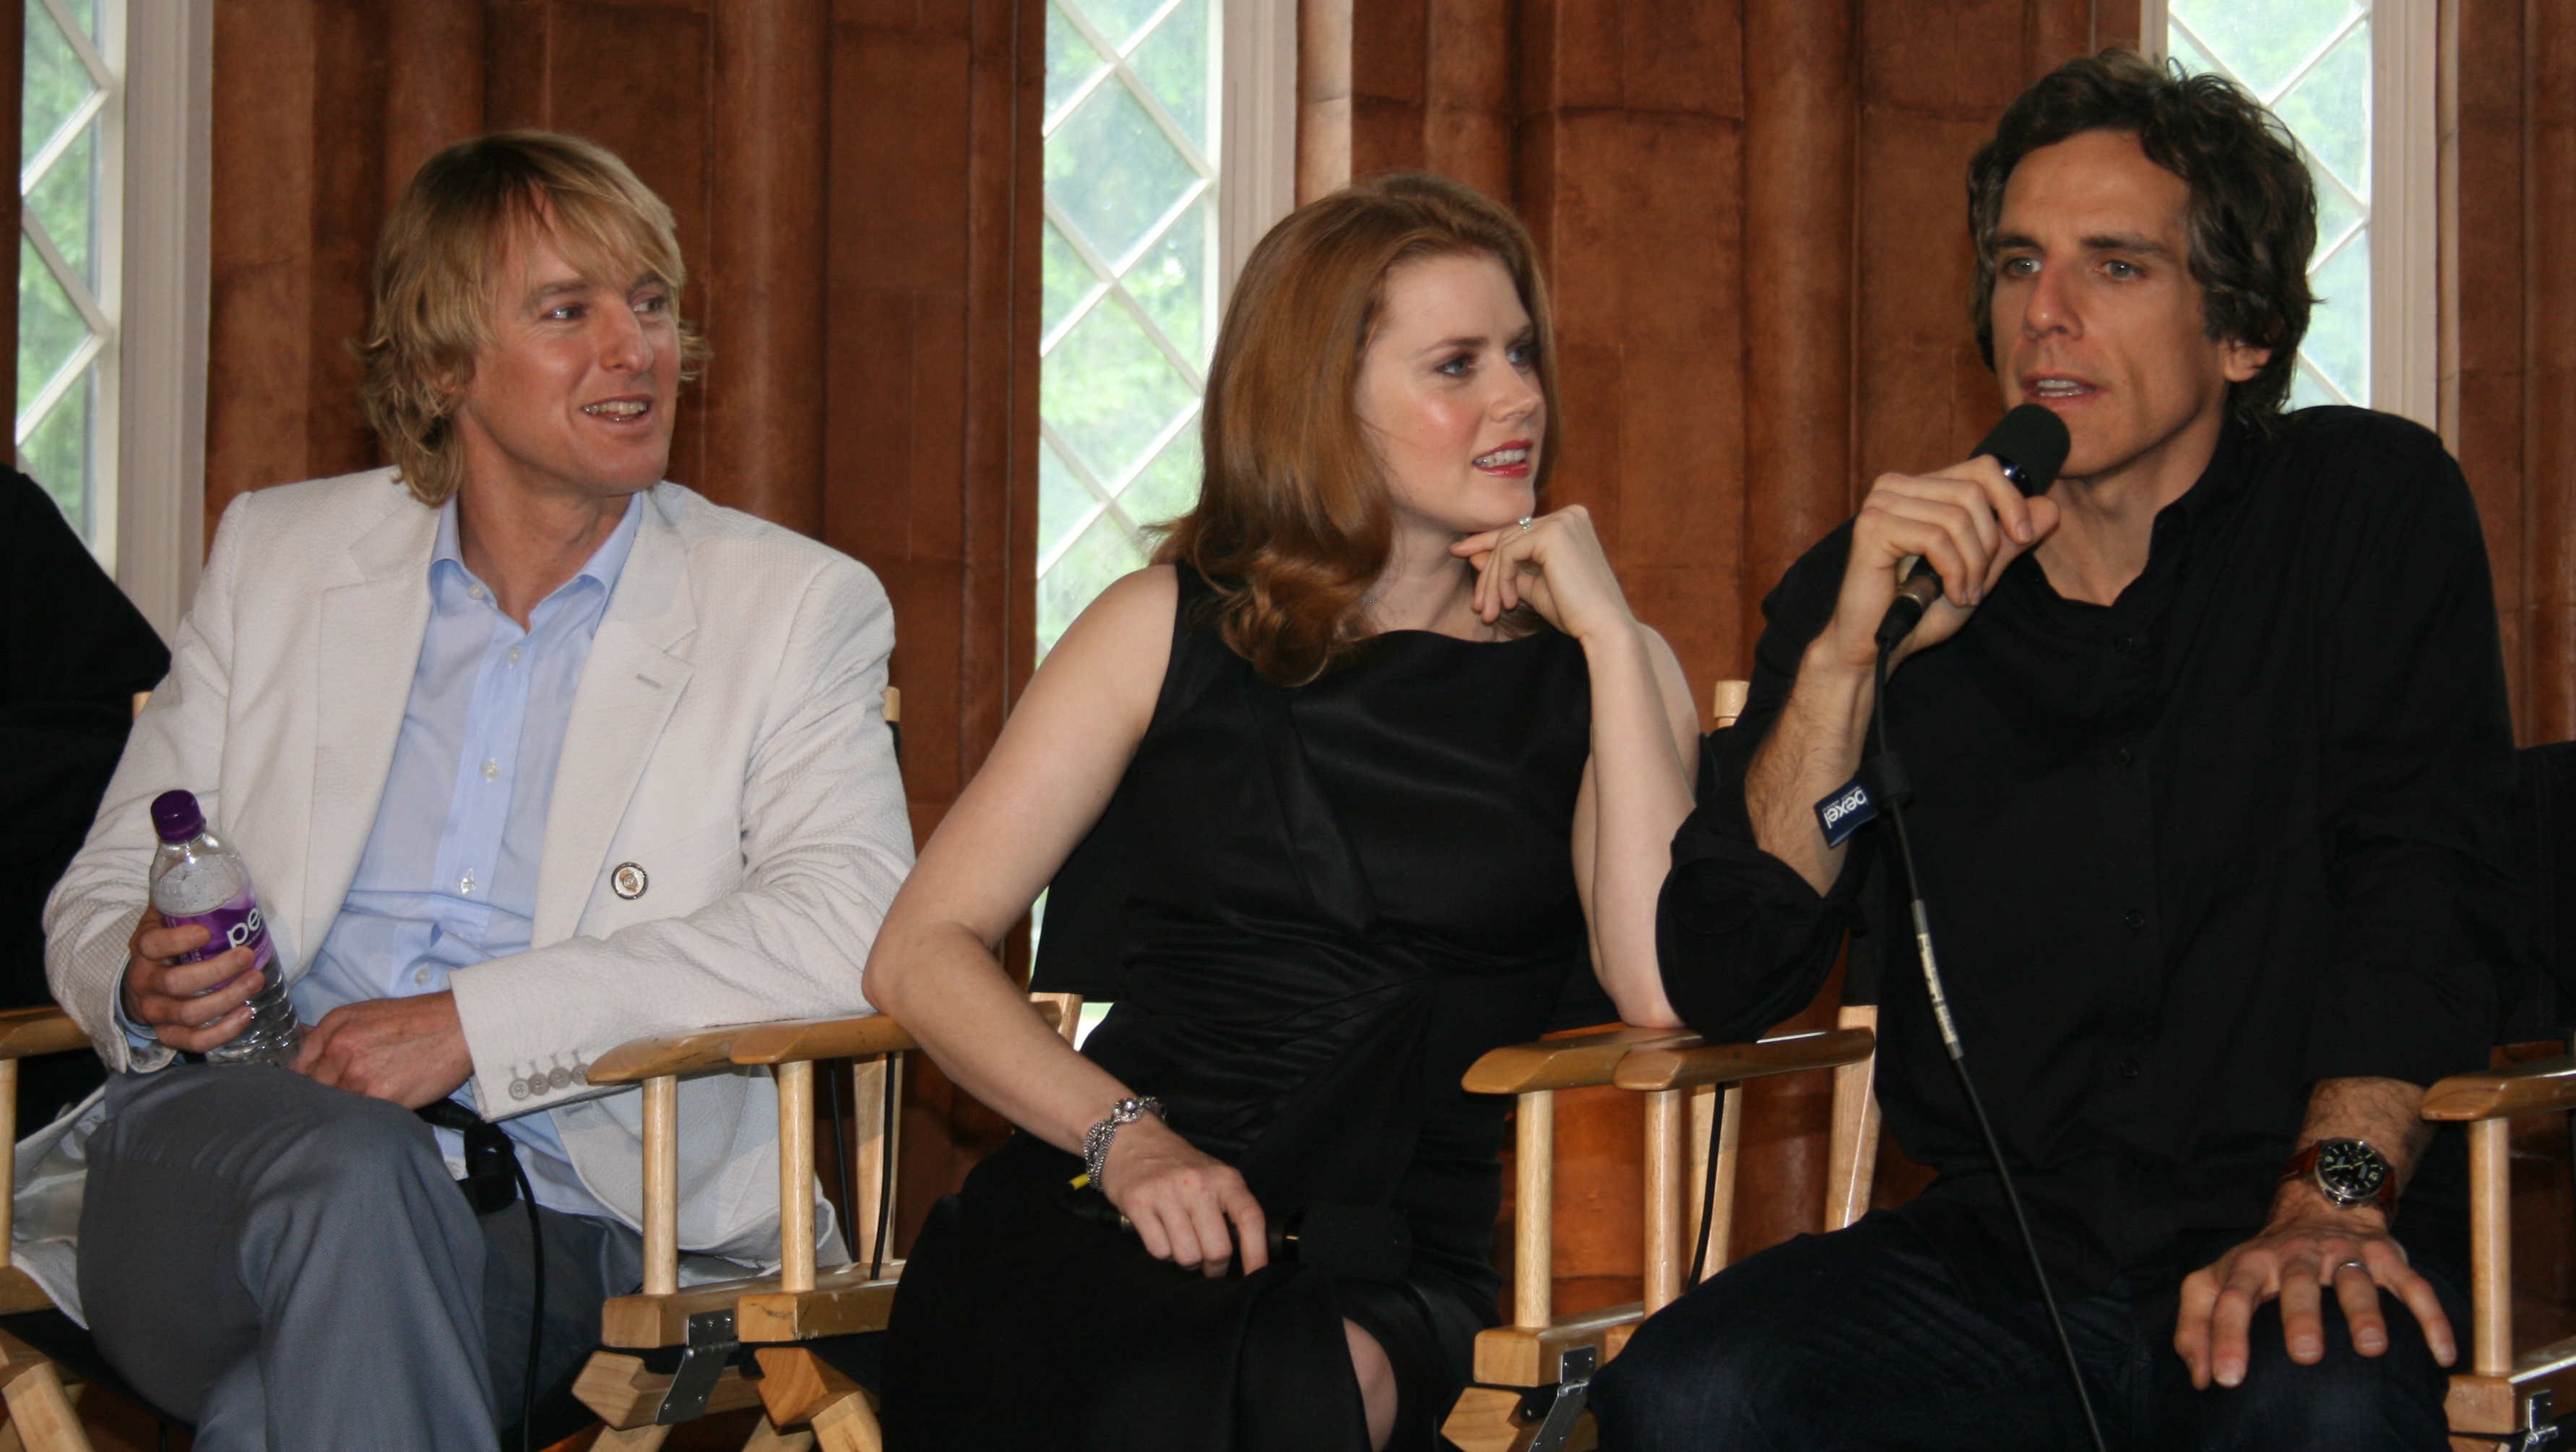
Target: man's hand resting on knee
x,y
409,1050
2311,1244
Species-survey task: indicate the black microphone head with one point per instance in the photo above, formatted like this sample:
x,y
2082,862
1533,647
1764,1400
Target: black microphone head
x,y
2031,442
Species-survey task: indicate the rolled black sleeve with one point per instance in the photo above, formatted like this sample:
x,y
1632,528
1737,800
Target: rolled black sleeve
x,y
1743,940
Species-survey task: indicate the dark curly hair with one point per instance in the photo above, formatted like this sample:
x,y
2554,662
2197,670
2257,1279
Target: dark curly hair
x,y
2253,215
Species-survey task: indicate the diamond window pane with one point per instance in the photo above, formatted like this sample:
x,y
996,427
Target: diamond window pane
x,y
1064,506
1117,20
2265,43
1114,172
1171,282
2329,111
1110,392
1067,280
2336,216
56,82
49,327
1102,555
65,201
2338,341
1172,61
85,14
57,455
1070,62
1169,486
1128,291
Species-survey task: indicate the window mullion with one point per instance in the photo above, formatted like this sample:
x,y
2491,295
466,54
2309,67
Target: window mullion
x,y
62,139
55,387
78,291
100,73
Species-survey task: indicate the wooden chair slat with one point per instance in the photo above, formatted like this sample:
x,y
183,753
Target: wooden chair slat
x,y
1681,1067
1576,1062
2542,1086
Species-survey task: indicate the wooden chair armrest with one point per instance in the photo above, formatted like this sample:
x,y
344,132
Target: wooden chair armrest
x,y
840,1038
656,1058
1567,1063
26,1032
1680,1066
2537,1087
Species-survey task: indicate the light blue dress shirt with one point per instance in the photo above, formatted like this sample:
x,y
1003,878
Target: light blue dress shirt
x,y
449,877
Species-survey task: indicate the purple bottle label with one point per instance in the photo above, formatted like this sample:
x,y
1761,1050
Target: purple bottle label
x,y
237,924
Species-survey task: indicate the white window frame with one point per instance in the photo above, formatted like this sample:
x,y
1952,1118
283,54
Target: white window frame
x,y
158,433
94,364
2408,215
1257,148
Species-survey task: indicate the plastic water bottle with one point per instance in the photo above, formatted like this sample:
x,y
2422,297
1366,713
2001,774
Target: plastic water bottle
x,y
197,879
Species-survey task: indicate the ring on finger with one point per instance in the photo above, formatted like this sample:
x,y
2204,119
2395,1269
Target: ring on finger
x,y
1525,523
2342,1266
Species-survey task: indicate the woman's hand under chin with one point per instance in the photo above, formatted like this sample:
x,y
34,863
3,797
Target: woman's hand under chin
x,y
1555,564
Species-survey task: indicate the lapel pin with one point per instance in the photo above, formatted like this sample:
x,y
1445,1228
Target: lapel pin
x,y
628,881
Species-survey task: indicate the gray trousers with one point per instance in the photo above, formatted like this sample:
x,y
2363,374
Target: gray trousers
x,y
289,1266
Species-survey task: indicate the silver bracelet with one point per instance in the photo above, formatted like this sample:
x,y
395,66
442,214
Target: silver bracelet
x,y
1095,1141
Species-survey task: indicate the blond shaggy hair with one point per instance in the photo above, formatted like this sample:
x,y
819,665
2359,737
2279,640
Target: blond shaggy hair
x,y
438,270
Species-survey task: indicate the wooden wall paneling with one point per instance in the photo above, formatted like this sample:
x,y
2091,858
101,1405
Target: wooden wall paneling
x,y
930,434
1629,168
348,211
1797,329
2549,352
1323,97
1467,92
260,280
762,411
433,97
2489,315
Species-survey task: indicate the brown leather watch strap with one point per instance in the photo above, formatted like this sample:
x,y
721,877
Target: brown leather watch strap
x,y
2303,1165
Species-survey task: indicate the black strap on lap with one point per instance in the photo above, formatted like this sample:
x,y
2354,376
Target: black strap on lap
x,y
494,1178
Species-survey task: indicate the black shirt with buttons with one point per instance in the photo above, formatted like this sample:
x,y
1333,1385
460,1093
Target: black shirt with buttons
x,y
2185,854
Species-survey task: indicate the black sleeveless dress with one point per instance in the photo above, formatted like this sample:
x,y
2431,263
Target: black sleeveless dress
x,y
1313,909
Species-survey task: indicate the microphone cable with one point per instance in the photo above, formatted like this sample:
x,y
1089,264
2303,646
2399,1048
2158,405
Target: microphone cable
x,y
1892,775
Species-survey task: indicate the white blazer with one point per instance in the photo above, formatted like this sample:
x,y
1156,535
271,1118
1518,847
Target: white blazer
x,y
728,736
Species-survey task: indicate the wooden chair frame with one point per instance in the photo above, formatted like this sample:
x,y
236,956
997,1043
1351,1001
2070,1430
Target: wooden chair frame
x,y
41,1418
804,1400
2503,1398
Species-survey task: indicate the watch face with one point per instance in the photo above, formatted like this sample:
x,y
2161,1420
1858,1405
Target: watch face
x,y
2350,1169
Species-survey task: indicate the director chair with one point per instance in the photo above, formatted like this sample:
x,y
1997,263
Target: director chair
x,y
672,1354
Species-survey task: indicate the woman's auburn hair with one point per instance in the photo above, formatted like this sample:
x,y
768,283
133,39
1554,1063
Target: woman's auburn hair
x,y
439,265
1293,521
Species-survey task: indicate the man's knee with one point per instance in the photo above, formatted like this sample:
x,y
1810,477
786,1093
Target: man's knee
x,y
2346,1400
1690,1374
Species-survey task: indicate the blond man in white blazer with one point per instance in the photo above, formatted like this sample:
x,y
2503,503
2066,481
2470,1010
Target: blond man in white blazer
x,y
703,825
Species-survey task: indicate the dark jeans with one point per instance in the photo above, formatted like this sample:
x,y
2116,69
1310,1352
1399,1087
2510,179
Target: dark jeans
x,y
1860,1339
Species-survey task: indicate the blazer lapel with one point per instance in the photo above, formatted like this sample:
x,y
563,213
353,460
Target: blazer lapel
x,y
370,633
628,689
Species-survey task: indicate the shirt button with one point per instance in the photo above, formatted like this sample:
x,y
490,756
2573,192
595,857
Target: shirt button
x,y
2120,757
491,769
514,655
420,975
474,592
2124,643
2129,1069
465,884
2134,918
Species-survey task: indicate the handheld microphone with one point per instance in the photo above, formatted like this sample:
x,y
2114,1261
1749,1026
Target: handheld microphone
x,y
2031,446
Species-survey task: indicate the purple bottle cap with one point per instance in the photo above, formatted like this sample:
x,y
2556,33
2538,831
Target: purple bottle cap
x,y
176,816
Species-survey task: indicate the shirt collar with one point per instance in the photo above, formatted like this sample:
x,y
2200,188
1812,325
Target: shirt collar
x,y
605,564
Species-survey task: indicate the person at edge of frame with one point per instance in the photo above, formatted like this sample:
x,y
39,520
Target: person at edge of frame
x,y
530,753
2211,771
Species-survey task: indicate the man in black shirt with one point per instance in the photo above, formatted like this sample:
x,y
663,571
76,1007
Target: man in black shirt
x,y
2210,763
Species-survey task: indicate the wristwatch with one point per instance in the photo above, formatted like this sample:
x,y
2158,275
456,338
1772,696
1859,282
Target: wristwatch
x,y
2346,1171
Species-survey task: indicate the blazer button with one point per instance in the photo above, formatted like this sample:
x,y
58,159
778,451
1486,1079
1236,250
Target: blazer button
x,y
628,881
518,1088
2134,918
558,1077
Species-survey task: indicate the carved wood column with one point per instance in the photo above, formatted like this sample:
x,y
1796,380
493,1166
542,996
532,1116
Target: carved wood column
x,y
763,297
2549,350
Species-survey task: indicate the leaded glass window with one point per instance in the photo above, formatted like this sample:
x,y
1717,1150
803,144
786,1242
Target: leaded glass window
x,y
1130,296
2310,62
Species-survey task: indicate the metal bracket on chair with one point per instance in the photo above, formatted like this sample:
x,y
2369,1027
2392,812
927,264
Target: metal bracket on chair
x,y
1555,1408
702,1361
2540,1427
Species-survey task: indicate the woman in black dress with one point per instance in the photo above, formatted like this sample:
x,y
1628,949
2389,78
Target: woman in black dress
x,y
1342,790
